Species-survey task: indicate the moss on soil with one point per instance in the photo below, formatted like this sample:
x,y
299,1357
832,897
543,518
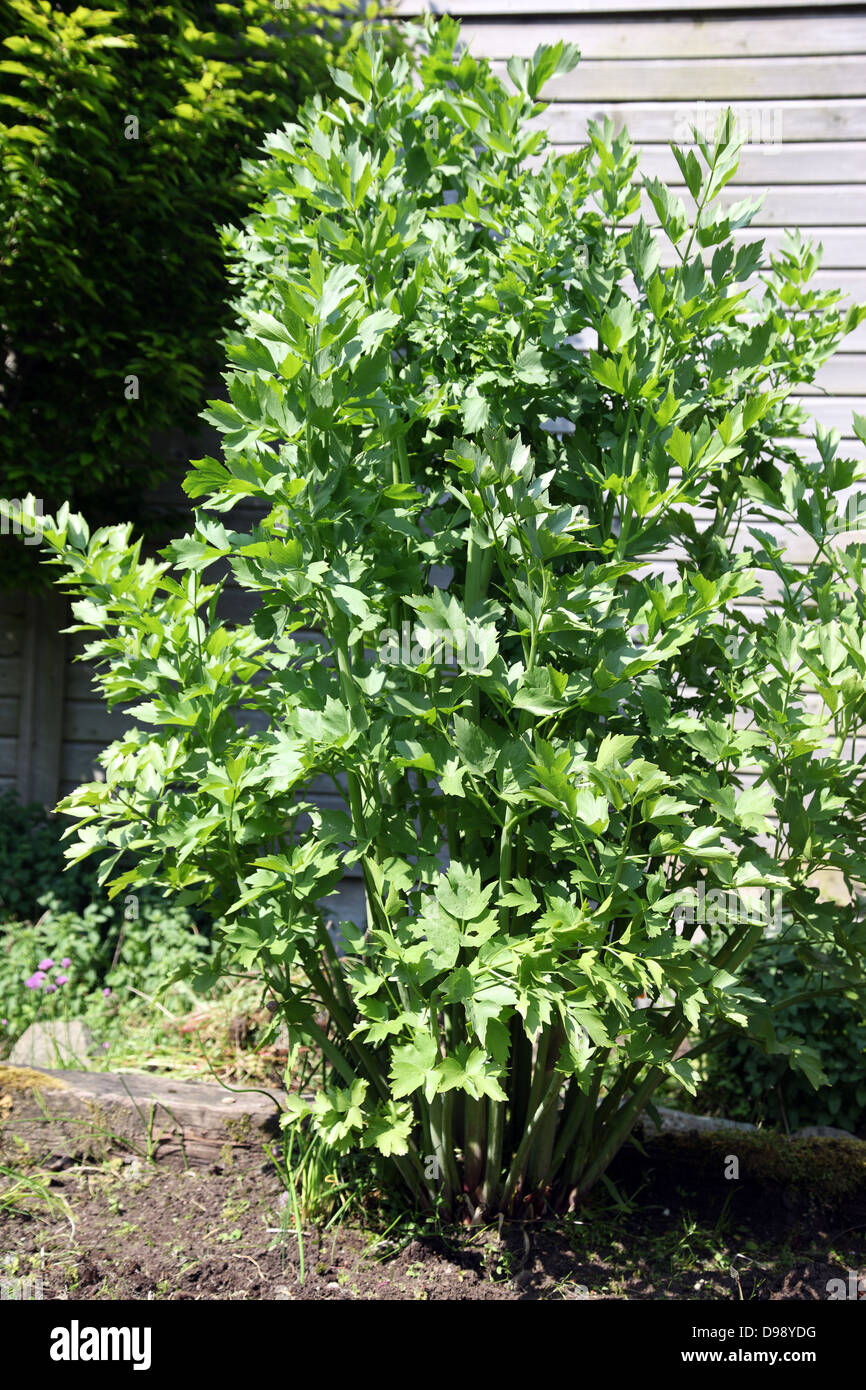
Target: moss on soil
x,y
21,1080
826,1170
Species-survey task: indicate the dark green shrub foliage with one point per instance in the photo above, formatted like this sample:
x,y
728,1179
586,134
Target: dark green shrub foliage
x,y
122,134
32,863
749,1083
585,733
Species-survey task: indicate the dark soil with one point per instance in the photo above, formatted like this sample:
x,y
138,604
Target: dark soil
x,y
672,1226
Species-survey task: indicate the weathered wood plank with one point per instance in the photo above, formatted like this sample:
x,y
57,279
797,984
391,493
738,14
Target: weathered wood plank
x,y
599,8
657,122
741,36
834,411
8,757
843,375
709,79
855,342
79,762
91,1113
10,675
813,163
844,247
41,698
838,205
79,682
852,282
12,627
90,721
8,717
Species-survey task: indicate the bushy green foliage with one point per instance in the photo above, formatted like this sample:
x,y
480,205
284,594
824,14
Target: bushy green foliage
x,y
32,863
750,1083
587,733
98,955
122,134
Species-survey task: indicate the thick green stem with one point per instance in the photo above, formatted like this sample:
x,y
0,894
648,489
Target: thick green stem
x,y
520,1079
354,704
474,1133
336,970
479,564
441,1112
493,1166
518,1165
573,1110
619,1129
588,1121
479,567
542,1149
505,858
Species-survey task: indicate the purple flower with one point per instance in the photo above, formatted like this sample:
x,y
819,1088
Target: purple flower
x,y
106,992
61,979
50,989
66,962
36,981
46,964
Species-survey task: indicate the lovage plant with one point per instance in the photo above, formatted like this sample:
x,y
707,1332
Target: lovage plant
x,y
524,467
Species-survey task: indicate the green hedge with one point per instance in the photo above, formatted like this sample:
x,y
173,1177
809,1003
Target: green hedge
x,y
122,136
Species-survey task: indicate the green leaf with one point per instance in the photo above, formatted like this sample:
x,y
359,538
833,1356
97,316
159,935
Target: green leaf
x,y
475,412
470,1071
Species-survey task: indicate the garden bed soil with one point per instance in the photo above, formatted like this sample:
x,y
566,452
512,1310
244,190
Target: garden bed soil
x,y
674,1228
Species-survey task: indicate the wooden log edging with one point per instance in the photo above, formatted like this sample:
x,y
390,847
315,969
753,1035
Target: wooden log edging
x,y
87,1113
